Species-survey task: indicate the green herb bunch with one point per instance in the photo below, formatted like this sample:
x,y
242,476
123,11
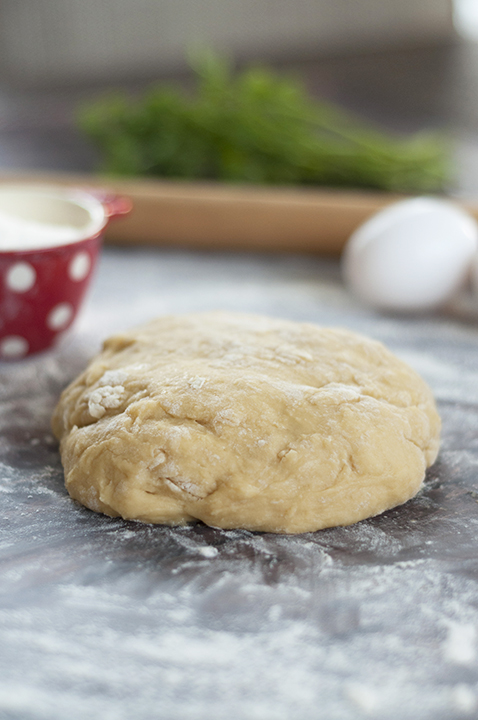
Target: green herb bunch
x,y
255,127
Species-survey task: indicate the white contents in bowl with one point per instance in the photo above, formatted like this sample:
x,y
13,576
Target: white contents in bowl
x,y
34,218
413,255
22,235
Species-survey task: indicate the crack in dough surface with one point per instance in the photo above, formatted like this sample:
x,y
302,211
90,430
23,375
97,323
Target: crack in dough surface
x,y
245,421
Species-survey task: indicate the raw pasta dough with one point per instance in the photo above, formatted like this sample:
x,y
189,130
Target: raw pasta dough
x,y
244,421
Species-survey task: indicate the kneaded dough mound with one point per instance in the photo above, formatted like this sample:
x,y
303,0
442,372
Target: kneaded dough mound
x,y
244,421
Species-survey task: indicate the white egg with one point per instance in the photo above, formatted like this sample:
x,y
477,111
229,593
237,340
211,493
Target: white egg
x,y
413,255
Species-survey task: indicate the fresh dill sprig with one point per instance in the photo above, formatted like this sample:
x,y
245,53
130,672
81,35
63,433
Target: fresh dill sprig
x,y
256,127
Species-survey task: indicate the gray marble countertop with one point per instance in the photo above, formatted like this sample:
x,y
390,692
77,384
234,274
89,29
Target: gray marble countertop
x,y
110,620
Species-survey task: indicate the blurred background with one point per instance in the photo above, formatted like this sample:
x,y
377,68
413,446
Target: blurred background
x,y
405,65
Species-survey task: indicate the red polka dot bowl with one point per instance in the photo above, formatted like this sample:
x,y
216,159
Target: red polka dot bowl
x,y
50,239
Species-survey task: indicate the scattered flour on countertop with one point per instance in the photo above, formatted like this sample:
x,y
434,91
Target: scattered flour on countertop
x,y
281,670
208,552
364,697
449,382
464,698
460,644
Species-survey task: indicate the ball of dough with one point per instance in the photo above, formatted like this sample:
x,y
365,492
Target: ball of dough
x,y
244,421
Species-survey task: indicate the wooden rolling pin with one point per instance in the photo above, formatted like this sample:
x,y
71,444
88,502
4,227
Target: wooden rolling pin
x,y
229,217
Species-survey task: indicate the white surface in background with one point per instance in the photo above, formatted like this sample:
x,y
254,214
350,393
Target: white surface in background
x,y
465,18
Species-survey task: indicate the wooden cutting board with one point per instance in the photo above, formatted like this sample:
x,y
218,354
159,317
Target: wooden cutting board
x,y
229,217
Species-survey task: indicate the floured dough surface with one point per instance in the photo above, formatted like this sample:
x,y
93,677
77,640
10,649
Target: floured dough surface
x,y
244,421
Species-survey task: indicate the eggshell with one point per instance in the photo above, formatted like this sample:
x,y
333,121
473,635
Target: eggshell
x,y
413,255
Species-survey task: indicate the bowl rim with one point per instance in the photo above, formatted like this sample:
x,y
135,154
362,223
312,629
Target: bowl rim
x,y
80,197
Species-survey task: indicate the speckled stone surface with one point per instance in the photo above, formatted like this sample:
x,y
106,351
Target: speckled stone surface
x,y
109,620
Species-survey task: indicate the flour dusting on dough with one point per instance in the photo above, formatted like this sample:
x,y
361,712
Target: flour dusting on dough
x,y
107,397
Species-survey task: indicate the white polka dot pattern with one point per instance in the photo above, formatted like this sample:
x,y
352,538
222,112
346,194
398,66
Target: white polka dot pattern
x,y
13,347
41,291
21,277
80,266
59,317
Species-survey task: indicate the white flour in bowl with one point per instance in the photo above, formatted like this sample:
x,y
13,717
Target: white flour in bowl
x,y
19,234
